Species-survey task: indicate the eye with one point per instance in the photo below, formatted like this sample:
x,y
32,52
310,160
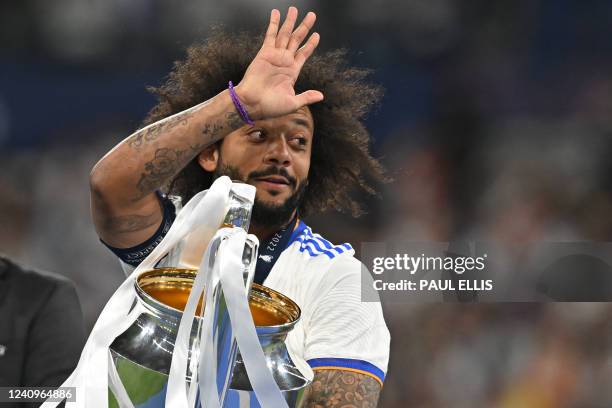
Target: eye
x,y
299,141
256,136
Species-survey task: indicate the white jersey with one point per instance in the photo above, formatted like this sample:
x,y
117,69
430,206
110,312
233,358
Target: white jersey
x,y
336,329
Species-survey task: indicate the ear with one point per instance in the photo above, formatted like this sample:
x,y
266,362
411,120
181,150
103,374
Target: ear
x,y
209,157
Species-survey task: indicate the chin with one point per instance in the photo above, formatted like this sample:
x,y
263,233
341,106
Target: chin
x,y
272,198
271,201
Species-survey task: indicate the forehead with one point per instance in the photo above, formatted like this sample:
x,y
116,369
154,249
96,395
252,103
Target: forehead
x,y
301,117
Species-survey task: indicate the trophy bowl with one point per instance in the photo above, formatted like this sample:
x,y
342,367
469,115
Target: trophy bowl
x,y
143,353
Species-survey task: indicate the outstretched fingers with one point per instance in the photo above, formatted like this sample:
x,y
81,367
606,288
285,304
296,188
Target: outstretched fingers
x,y
307,49
302,31
283,43
270,39
282,39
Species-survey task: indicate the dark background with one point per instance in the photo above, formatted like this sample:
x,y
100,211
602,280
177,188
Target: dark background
x,y
496,125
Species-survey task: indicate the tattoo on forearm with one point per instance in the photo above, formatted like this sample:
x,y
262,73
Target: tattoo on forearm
x,y
212,130
163,166
167,162
342,389
233,120
152,132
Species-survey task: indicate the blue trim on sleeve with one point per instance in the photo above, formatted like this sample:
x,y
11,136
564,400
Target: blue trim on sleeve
x,y
135,255
348,363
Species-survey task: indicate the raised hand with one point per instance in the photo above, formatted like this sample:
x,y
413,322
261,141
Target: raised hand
x,y
267,86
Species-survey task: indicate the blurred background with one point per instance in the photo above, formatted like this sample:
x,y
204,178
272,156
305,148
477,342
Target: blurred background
x,y
496,125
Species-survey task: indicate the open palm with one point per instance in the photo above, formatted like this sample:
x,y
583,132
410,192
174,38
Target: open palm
x,y
267,87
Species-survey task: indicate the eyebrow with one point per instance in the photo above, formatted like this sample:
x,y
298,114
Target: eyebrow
x,y
302,122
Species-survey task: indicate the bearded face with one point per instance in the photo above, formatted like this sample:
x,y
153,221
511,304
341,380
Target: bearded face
x,y
274,156
266,213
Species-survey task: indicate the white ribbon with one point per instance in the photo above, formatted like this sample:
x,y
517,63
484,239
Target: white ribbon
x,y
205,212
267,391
228,270
90,377
176,391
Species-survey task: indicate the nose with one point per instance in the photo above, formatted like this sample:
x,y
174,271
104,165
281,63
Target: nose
x,y
278,152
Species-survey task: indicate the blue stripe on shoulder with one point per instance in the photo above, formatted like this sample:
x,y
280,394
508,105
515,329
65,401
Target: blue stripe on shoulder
x,y
348,363
320,239
317,248
315,244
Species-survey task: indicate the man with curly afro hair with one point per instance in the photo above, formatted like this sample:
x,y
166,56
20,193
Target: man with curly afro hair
x,y
292,127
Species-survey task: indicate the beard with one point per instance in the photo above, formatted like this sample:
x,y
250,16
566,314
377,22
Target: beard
x,y
265,214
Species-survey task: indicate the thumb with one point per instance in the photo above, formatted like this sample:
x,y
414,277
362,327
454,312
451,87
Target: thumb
x,y
308,98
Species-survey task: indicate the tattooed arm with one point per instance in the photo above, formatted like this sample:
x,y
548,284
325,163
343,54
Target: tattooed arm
x,y
124,207
125,210
342,389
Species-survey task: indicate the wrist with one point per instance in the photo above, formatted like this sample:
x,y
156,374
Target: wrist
x,y
249,107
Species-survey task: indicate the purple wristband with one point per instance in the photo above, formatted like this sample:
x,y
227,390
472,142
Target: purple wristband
x,y
241,111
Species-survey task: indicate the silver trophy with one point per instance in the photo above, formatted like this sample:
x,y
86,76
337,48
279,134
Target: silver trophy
x,y
143,353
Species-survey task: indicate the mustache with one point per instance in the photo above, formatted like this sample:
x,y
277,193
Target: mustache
x,y
273,171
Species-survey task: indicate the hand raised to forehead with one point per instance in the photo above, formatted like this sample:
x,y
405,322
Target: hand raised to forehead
x,y
267,86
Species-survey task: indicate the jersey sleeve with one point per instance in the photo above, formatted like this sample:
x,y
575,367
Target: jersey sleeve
x,y
133,256
343,332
